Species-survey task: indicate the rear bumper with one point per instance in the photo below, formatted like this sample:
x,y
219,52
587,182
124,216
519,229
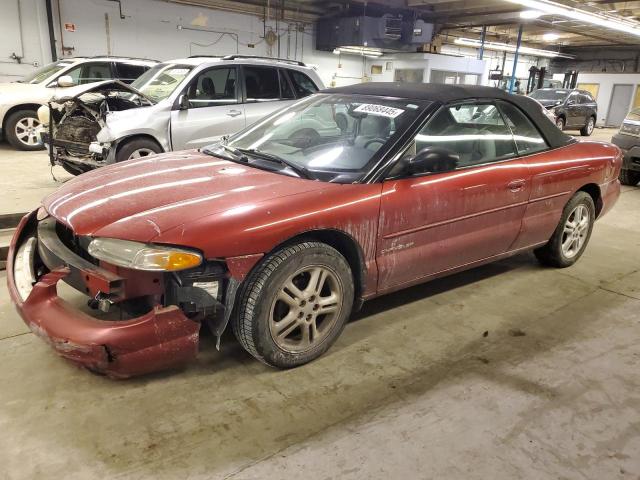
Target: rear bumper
x,y
160,339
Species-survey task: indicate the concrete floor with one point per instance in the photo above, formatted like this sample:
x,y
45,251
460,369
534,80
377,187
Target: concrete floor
x,y
506,371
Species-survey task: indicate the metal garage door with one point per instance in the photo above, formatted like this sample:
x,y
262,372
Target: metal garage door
x,y
619,105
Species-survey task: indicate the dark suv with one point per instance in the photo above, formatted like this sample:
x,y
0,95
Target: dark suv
x,y
573,109
628,139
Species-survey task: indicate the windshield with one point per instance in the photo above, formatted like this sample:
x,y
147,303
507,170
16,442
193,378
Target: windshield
x,y
45,72
549,95
160,81
327,137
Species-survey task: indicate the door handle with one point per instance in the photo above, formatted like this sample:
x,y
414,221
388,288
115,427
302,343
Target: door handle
x,y
516,185
234,113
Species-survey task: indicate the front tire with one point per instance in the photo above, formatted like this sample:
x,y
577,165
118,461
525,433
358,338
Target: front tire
x,y
21,130
587,130
137,148
294,305
570,239
629,177
560,123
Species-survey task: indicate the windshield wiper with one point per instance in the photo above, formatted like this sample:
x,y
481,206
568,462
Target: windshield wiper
x,y
236,155
298,169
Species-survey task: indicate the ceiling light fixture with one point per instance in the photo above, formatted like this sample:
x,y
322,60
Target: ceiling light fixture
x,y
530,14
356,50
503,47
550,37
600,19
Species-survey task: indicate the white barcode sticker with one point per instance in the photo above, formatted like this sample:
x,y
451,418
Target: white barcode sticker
x,y
379,110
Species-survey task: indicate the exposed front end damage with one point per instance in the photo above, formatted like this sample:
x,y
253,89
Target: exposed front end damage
x,y
155,317
76,131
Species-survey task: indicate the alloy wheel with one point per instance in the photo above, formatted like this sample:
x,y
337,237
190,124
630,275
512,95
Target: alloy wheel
x,y
590,126
141,152
305,309
576,229
25,131
560,123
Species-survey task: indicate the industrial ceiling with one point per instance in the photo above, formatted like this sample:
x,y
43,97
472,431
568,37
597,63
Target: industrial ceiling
x,y
465,18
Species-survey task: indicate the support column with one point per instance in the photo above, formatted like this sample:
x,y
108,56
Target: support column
x,y
515,60
482,40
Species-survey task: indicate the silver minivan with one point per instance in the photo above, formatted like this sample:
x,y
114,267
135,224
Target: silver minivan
x,y
176,105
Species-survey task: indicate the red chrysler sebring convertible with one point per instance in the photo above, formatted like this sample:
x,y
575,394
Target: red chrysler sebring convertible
x,y
285,228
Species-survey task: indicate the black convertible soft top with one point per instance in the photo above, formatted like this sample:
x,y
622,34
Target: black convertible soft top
x,y
451,93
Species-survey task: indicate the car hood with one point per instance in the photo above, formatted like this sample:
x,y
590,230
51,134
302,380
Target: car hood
x,y
140,199
15,92
71,93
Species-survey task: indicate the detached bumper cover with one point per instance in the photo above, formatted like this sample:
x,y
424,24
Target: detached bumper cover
x,y
162,338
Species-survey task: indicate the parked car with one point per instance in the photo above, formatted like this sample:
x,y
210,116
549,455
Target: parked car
x,y
284,237
19,101
628,139
186,103
573,109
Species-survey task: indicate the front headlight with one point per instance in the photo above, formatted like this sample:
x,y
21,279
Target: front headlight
x,y
43,114
141,256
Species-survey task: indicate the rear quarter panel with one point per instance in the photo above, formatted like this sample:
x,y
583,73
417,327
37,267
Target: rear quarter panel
x,y
557,175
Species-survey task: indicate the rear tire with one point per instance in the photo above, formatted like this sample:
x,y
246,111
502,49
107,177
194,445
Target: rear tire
x,y
279,317
629,177
137,148
570,239
20,130
587,130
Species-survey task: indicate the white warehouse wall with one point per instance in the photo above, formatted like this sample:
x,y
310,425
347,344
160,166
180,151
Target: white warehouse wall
x,y
151,29
23,31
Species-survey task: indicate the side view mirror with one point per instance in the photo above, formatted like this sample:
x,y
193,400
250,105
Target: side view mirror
x,y
183,102
433,160
65,81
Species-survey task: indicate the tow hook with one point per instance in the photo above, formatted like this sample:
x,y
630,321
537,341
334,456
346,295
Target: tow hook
x,y
102,302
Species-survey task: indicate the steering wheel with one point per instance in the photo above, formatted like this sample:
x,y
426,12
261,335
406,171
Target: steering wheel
x,y
375,140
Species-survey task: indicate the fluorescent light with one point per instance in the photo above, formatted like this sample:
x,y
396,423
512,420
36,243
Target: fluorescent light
x,y
550,37
606,21
530,14
503,47
356,50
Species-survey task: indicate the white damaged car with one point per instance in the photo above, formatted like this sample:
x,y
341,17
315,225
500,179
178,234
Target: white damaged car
x,y
176,105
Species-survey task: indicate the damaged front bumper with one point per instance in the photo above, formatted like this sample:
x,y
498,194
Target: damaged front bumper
x,y
162,338
88,156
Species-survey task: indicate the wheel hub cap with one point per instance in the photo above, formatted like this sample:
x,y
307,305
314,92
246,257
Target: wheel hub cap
x,y
575,231
26,131
305,309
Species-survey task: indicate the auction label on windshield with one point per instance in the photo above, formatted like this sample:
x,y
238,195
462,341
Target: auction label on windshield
x,y
379,110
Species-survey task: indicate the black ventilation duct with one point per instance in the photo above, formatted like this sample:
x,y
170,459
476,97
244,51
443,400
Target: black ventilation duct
x,y
386,32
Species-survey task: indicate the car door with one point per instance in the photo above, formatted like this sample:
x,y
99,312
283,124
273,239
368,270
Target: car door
x,y
438,221
266,89
210,110
573,109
